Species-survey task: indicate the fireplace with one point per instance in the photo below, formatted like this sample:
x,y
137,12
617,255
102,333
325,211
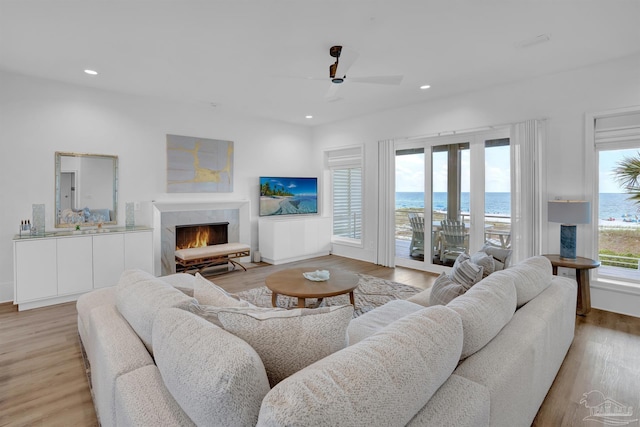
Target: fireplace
x,y
201,235
167,215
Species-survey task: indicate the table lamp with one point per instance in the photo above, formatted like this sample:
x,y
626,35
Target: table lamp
x,y
569,213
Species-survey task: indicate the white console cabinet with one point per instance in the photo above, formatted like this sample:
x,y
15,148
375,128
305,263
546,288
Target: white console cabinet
x,y
292,239
59,267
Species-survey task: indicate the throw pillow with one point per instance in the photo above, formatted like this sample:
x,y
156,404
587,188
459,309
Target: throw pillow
x,y
466,273
444,290
461,258
485,261
501,257
290,340
207,293
210,312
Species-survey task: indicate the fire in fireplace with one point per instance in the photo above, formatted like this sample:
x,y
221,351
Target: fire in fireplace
x,y
200,235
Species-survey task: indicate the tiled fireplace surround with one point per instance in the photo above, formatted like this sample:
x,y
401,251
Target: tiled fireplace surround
x,y
166,215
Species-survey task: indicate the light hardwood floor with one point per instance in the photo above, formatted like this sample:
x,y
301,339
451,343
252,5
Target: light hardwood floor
x,y
43,383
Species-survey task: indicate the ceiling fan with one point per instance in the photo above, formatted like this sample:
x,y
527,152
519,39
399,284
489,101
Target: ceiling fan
x,y
338,72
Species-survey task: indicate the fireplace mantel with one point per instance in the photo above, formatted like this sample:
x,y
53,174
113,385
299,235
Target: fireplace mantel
x,y
197,207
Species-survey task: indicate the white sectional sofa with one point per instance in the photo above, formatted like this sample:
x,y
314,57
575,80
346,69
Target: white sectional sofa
x,y
487,358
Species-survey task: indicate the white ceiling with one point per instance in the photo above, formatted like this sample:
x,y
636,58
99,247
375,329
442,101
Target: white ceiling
x,y
253,57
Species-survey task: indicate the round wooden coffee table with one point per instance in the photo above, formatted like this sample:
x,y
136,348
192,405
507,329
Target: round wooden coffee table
x,y
292,283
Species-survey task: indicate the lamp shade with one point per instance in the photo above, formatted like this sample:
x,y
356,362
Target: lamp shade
x,y
569,211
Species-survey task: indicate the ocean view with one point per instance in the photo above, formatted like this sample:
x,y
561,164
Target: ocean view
x,y
612,205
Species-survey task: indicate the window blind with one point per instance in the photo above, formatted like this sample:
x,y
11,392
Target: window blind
x,y
620,131
347,202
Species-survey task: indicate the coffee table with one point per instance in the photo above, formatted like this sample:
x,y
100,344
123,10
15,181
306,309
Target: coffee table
x,y
292,283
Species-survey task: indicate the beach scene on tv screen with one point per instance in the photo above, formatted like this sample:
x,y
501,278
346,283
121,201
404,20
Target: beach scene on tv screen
x,y
288,196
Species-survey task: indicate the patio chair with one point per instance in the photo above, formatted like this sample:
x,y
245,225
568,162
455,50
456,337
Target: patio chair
x,y
454,239
416,220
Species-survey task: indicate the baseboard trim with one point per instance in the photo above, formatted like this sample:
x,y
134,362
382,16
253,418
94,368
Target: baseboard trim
x,y
615,297
293,259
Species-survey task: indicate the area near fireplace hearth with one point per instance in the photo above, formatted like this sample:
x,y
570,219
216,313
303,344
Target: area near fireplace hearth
x,y
170,216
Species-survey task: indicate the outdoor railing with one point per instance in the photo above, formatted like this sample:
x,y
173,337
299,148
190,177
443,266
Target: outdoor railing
x,y
619,261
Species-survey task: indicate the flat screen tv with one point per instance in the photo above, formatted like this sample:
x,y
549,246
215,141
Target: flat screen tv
x,y
288,196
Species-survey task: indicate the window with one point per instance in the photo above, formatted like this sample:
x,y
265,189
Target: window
x,y
468,179
617,141
347,203
346,170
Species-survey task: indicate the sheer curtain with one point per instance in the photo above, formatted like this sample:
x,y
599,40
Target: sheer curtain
x,y
386,203
528,141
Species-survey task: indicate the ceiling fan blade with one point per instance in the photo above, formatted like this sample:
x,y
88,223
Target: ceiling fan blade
x,y
346,60
331,93
380,80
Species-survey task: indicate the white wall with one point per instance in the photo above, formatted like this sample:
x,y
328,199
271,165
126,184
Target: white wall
x,y
563,99
39,117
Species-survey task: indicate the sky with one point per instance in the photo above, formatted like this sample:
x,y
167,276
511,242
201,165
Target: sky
x,y
410,171
607,162
299,186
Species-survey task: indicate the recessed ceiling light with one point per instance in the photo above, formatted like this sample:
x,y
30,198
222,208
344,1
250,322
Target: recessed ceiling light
x,y
93,73
308,117
423,87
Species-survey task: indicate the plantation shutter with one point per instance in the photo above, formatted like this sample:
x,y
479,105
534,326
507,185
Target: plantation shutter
x,y
346,178
347,202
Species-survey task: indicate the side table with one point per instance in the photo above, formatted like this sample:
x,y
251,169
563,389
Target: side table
x,y
582,266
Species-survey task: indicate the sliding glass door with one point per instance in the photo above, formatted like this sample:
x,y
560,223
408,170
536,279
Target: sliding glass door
x,y
452,196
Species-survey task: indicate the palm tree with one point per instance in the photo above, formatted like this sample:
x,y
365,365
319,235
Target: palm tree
x,y
627,173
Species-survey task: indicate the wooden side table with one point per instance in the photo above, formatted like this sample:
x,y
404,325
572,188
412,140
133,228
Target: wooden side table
x,y
582,267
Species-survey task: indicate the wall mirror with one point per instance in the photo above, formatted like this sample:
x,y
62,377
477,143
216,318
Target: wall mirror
x,y
86,189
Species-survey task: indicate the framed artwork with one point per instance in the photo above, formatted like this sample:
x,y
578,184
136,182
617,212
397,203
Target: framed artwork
x,y
199,165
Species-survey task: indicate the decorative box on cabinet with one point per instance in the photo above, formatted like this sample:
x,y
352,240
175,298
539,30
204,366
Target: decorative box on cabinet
x,y
58,267
292,239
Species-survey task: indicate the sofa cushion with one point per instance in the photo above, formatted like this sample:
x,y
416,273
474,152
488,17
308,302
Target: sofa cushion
x,y
216,378
423,298
289,340
181,281
466,272
374,320
485,309
208,293
459,402
139,297
383,380
445,289
143,400
531,276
